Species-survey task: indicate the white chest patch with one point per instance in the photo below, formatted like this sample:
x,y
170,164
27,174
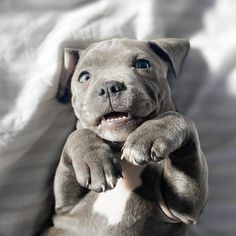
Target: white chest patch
x,y
112,203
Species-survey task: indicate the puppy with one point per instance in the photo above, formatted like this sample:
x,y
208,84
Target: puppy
x,y
133,166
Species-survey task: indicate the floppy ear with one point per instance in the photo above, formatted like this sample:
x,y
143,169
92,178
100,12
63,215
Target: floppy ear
x,y
71,57
171,50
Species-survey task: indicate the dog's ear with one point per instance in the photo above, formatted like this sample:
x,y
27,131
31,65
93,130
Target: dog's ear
x,y
71,57
171,50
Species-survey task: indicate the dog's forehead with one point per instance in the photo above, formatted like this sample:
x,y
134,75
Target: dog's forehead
x,y
117,49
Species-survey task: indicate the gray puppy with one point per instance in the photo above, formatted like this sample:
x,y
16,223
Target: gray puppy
x,y
134,165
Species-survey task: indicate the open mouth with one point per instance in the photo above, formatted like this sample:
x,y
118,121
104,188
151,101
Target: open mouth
x,y
116,117
116,126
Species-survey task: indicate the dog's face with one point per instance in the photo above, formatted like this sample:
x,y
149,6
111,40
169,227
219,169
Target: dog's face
x,y
118,84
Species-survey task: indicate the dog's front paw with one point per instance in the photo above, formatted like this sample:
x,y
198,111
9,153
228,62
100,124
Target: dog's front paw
x,y
156,139
95,164
97,170
144,145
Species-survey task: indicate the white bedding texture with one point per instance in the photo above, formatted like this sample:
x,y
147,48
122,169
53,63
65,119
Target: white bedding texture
x,y
34,125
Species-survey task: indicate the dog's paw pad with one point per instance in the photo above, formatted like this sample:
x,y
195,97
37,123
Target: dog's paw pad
x,y
134,156
155,157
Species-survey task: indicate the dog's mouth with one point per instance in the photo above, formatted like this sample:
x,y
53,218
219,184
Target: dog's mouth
x,y
121,118
118,119
117,125
114,117
119,122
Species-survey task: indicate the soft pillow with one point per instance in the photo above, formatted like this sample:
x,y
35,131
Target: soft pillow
x,y
34,126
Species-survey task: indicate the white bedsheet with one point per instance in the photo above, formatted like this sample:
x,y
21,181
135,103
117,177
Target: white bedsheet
x,y
34,126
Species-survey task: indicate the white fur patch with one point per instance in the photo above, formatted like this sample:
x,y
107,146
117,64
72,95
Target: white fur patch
x,y
112,203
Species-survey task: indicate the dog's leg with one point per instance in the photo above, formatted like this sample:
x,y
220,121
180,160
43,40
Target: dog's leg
x,y
67,190
171,140
87,163
185,181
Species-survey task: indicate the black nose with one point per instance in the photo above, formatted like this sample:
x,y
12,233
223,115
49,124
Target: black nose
x,y
112,87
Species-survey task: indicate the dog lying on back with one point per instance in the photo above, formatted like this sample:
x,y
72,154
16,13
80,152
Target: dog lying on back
x,y
133,166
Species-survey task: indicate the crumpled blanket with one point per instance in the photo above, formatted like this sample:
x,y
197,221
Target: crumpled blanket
x,y
34,125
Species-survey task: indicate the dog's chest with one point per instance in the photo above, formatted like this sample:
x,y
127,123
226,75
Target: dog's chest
x,y
117,212
112,204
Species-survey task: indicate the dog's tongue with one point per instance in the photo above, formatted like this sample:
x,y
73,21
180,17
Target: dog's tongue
x,y
115,116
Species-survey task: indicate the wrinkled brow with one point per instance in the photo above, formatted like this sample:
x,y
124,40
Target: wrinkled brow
x,y
106,58
118,56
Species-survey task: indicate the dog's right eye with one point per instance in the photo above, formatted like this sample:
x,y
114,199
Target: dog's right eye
x,y
142,64
84,76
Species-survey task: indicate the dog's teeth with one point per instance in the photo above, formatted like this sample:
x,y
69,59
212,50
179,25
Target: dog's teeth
x,y
116,118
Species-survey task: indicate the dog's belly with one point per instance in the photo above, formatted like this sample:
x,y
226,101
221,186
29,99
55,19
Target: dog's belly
x,y
112,204
128,209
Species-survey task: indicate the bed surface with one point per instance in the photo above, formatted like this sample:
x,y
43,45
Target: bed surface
x,y
34,126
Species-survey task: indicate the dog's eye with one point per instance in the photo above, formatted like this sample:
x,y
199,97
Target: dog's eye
x,y
84,76
142,64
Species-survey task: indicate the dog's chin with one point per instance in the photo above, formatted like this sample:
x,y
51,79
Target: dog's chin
x,y
116,127
114,136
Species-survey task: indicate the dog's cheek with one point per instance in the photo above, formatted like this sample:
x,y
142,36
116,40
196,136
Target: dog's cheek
x,y
76,106
73,100
74,103
164,97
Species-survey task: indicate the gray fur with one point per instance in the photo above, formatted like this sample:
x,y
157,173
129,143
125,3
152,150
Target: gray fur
x,y
157,151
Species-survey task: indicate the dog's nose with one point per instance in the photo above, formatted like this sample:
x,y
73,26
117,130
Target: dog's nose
x,y
112,87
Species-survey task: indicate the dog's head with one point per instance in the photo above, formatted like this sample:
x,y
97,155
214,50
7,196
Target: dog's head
x,y
118,84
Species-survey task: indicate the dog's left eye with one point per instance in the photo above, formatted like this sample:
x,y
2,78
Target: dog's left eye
x,y
142,64
84,76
